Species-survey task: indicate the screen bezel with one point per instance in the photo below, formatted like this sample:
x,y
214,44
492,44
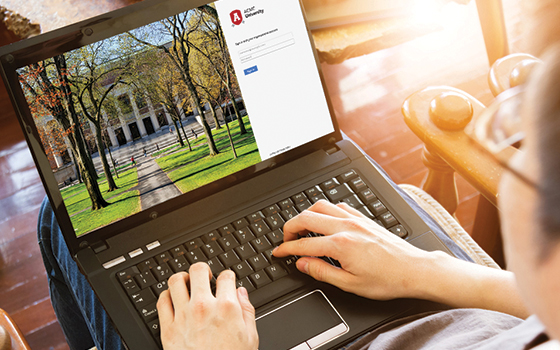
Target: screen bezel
x,y
97,28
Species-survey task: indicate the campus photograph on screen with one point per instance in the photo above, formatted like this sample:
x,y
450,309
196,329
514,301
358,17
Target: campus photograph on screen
x,y
134,120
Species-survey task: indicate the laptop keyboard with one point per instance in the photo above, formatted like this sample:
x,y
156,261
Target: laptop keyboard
x,y
245,246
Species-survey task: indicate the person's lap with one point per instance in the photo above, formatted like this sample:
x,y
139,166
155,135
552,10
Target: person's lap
x,y
78,310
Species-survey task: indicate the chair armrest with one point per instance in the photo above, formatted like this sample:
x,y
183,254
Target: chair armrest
x,y
438,116
510,71
14,335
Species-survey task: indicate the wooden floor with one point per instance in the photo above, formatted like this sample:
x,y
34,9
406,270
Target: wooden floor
x,y
367,93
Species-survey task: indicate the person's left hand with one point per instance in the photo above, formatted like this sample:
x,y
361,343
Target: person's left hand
x,y
198,320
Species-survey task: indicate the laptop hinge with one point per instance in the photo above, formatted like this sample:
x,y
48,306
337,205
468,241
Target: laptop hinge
x,y
331,149
98,247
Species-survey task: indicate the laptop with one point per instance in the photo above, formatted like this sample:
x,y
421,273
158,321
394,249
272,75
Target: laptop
x,y
176,131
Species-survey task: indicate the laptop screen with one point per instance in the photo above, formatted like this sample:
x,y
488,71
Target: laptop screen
x,y
164,108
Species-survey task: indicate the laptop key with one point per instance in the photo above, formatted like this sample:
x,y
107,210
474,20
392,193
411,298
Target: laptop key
x,y
179,264
245,251
377,208
347,176
228,242
318,197
146,265
244,282
303,205
153,326
239,224
358,185
259,279
336,194
143,298
313,191
353,201
286,204
128,273
162,272
255,217
178,251
275,237
149,312
229,258
195,256
145,279
260,228
226,230
261,244
289,213
271,210
163,258
275,271
366,212
275,221
388,220
212,249
399,230
210,237
298,198
329,184
159,287
367,196
130,286
216,266
244,235
242,269
194,244
258,262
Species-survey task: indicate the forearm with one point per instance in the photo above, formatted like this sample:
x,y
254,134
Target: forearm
x,y
462,284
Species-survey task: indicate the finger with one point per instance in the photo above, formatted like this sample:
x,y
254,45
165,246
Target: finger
x,y
165,309
225,284
350,210
316,246
327,208
178,288
200,275
248,309
310,221
324,272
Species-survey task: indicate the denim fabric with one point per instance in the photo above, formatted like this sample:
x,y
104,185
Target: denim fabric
x,y
81,316
78,310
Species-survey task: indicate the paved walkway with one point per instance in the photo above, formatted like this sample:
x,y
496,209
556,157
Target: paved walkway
x,y
154,185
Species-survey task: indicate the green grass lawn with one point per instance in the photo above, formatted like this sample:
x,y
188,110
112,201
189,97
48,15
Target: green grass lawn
x,y
192,169
78,204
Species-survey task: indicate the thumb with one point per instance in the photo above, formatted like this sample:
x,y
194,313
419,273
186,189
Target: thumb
x,y
247,308
323,271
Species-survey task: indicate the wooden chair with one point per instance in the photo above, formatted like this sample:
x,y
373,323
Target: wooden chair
x,y
438,116
11,337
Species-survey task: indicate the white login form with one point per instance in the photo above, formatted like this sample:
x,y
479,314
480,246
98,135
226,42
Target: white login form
x,y
267,47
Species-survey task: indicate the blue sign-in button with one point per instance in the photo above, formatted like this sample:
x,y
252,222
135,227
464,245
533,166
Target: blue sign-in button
x,y
251,70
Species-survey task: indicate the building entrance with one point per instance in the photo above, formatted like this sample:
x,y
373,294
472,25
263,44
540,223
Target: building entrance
x,y
121,139
148,125
134,130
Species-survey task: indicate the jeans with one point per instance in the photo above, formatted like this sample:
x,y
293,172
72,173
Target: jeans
x,y
81,316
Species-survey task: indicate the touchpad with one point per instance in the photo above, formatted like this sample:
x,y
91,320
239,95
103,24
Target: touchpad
x,y
305,323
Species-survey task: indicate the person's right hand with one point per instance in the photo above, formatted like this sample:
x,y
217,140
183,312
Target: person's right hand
x,y
374,262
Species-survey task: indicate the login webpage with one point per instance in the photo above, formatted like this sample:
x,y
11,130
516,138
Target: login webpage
x,y
277,73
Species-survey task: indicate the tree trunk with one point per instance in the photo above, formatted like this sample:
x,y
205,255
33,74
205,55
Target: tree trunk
x,y
236,110
101,150
215,117
178,132
230,139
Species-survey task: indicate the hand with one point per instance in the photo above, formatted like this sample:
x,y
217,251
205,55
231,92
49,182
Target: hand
x,y
201,321
374,262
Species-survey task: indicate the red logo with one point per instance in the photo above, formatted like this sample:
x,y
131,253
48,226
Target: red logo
x,y
236,17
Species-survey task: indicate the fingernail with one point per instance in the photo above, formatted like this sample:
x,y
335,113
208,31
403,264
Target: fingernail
x,y
303,266
243,292
274,250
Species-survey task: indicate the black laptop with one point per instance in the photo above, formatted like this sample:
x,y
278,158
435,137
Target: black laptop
x,y
177,131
